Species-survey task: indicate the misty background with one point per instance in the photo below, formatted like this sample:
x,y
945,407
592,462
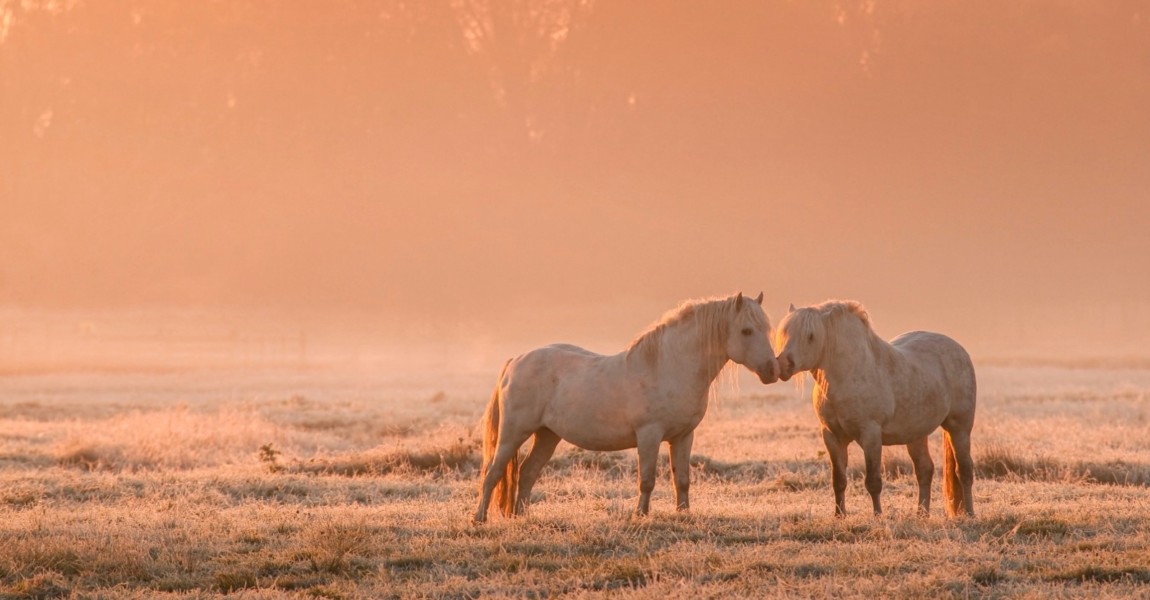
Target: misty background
x,y
485,176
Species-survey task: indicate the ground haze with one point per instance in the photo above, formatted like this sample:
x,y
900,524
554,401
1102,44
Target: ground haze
x,y
491,167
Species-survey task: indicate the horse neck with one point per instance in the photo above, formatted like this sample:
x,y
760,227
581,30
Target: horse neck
x,y
688,357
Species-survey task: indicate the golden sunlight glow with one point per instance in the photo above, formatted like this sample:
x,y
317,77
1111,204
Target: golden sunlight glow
x,y
295,295
491,171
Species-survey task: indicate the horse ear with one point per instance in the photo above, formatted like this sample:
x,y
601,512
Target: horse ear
x,y
792,308
759,299
739,301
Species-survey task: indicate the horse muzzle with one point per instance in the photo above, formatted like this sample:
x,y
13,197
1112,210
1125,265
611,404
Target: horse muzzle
x,y
769,373
786,367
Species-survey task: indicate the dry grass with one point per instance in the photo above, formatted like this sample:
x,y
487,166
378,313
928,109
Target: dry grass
x,y
351,485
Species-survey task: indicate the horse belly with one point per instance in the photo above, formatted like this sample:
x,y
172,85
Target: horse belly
x,y
591,419
914,421
900,438
603,436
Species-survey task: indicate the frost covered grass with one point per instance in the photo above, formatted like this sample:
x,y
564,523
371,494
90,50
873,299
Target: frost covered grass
x,y
350,484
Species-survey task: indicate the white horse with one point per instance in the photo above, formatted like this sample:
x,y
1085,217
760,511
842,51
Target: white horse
x,y
654,391
884,394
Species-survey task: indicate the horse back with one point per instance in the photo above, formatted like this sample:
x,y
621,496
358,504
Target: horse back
x,y
941,365
578,394
543,371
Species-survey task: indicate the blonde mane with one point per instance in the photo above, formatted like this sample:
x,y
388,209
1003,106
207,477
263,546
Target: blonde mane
x,y
805,319
710,317
828,314
840,308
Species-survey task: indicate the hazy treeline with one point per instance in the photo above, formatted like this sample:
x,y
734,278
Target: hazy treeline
x,y
448,158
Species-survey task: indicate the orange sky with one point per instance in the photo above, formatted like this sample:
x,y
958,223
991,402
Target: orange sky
x,y
568,170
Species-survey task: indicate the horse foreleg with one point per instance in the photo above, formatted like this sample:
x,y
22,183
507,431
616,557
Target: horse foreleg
x,y
681,469
837,451
648,441
871,442
919,452
541,450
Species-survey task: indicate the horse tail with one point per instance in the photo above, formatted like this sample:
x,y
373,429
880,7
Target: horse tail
x,y
508,484
951,484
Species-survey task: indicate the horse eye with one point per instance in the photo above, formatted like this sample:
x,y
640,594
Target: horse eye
x,y
748,331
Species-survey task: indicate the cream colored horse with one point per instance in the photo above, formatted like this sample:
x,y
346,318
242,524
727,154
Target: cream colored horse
x,y
884,394
654,391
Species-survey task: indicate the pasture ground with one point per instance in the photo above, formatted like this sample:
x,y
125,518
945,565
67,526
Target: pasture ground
x,y
347,484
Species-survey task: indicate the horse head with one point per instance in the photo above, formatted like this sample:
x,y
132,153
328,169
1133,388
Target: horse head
x,y
748,338
800,340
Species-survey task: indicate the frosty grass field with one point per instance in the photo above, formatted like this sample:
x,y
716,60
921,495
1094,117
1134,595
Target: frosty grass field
x,y
345,483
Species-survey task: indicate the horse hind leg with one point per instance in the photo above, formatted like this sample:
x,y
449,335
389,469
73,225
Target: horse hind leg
x,y
541,450
495,472
919,452
503,469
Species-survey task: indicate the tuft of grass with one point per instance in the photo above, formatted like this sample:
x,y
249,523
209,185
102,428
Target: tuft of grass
x,y
988,576
19,498
620,464
1117,472
811,571
896,464
997,461
83,456
236,580
795,482
752,470
1042,527
461,455
334,547
41,586
269,456
828,529
1094,573
628,574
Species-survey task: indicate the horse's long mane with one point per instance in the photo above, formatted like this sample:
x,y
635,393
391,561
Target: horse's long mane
x,y
830,313
710,317
841,308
